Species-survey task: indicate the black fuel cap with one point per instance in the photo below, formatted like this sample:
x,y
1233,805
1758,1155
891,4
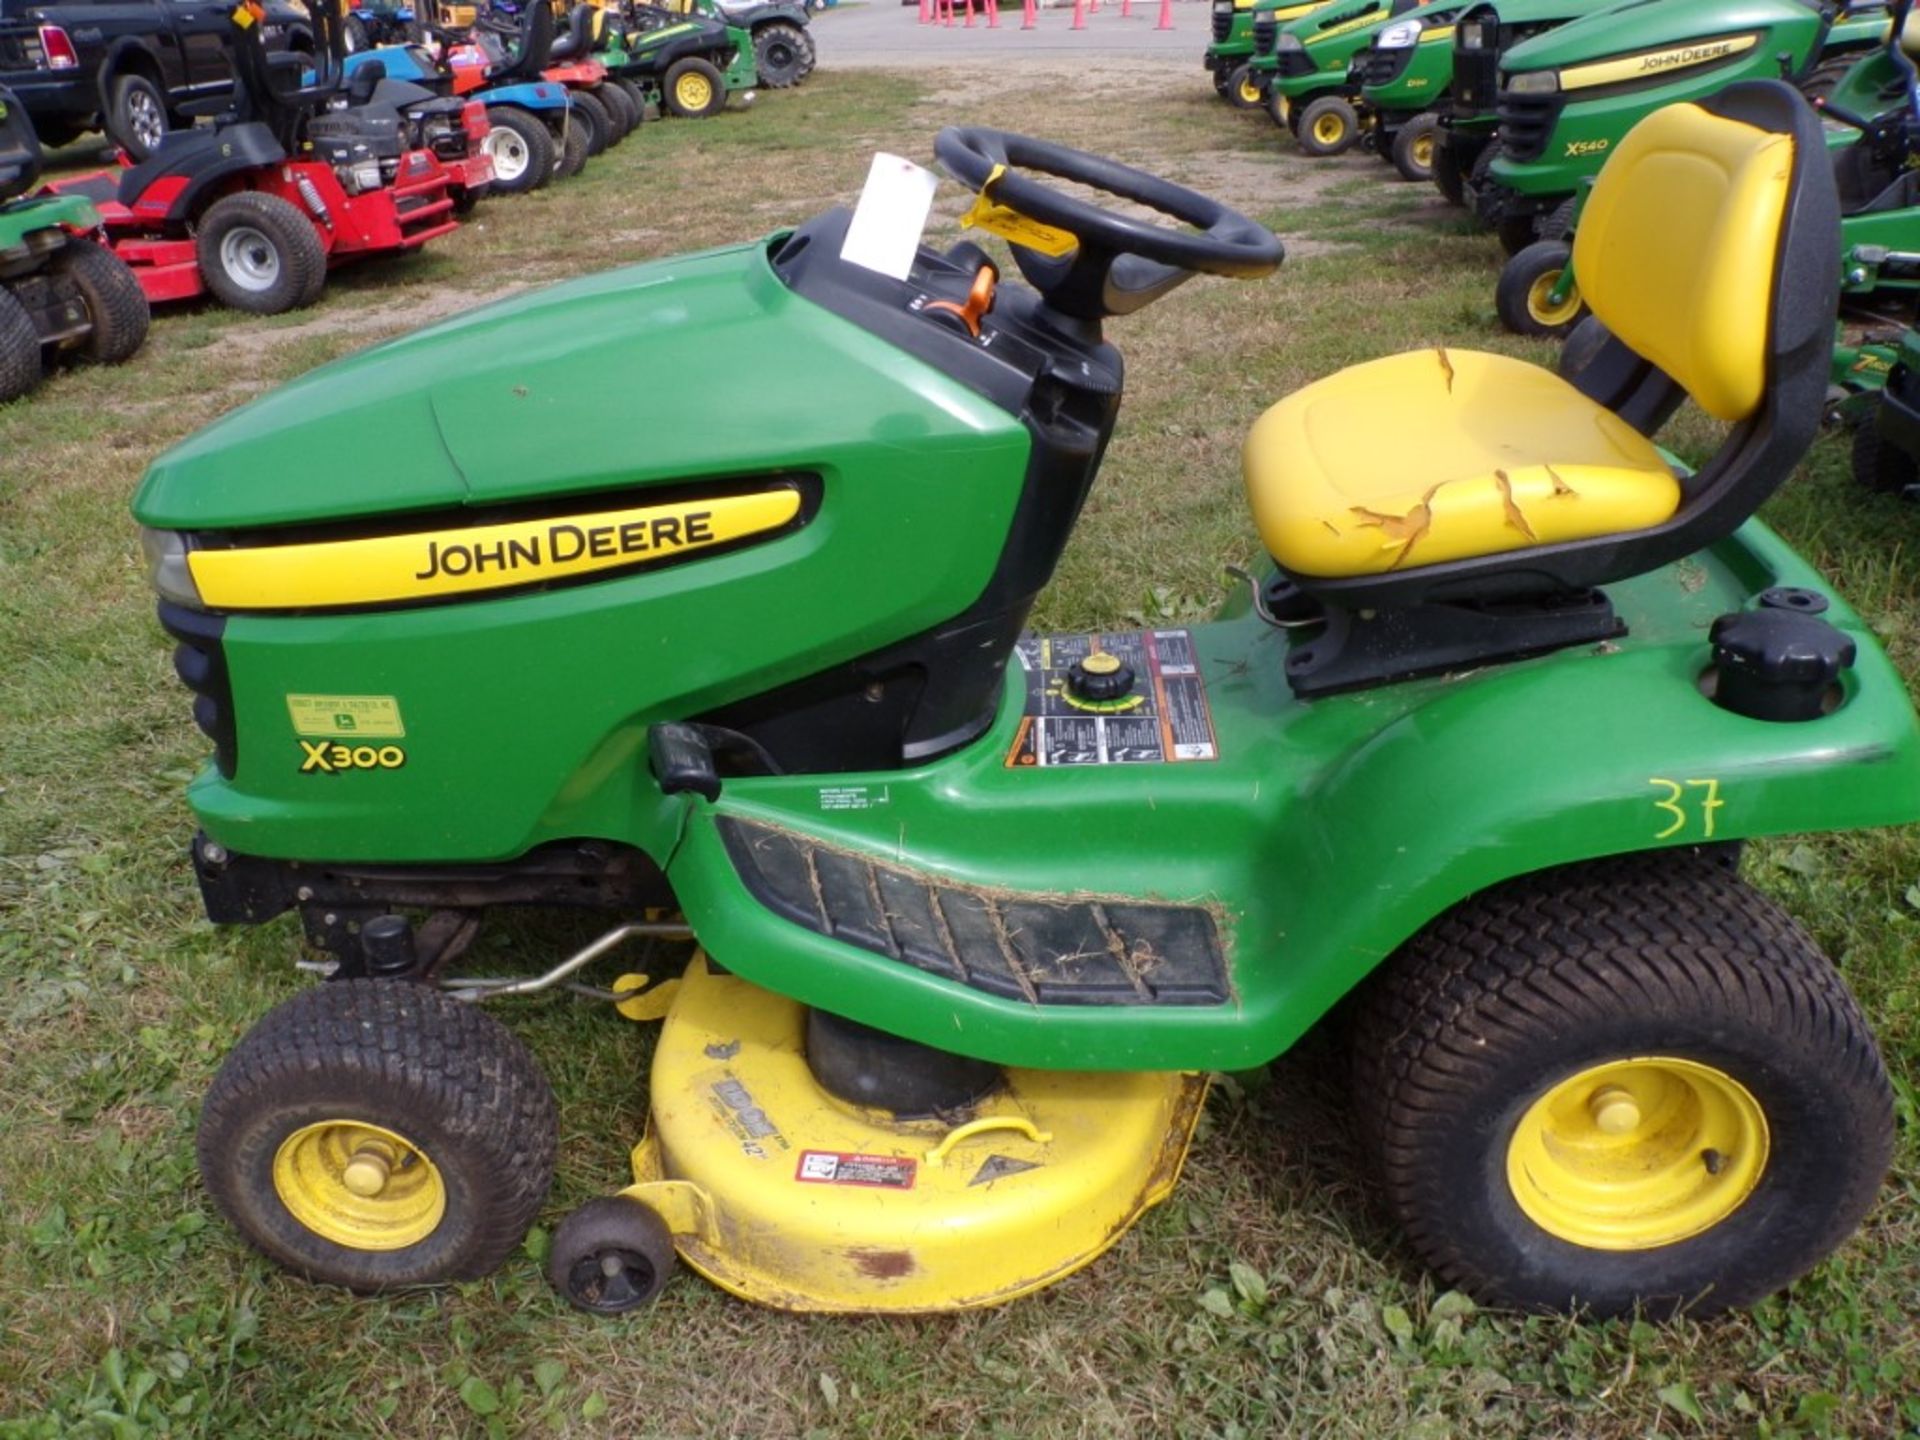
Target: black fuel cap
x,y
1777,663
1100,676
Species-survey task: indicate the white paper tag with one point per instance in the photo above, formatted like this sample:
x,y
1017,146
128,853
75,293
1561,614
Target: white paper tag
x,y
891,215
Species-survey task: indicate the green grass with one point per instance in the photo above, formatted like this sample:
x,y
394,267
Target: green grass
x,y
1269,1297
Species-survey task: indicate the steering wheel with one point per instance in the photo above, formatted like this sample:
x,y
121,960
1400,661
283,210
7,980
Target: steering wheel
x,y
1119,264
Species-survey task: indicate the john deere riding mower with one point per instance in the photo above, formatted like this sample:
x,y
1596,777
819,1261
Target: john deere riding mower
x,y
686,65
783,49
1231,49
61,294
1568,97
1308,69
1410,72
977,911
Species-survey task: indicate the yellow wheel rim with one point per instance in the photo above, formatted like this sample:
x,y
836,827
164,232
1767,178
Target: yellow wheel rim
x,y
1423,152
1328,129
693,91
1540,301
1636,1154
1249,92
361,1186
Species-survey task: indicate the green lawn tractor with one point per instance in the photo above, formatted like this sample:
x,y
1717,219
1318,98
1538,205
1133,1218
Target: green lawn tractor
x,y
61,294
1886,432
1231,47
1567,98
1465,120
1406,77
978,911
688,65
1304,69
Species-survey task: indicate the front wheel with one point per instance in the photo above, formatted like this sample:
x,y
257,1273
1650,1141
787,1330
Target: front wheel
x,y
693,89
1413,148
1516,232
116,305
1524,296
259,254
521,149
376,1133
1243,89
1631,1084
1329,126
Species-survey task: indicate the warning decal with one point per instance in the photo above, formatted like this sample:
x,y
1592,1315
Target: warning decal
x,y
836,1167
1163,717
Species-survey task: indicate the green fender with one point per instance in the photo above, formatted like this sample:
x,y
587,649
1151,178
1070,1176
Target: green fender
x,y
20,218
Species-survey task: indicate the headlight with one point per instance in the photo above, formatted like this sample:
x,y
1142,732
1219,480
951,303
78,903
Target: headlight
x,y
1289,42
1400,36
1534,82
167,571
1473,35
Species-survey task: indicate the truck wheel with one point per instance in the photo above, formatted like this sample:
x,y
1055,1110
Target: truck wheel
x,y
778,55
521,149
1523,296
259,254
1628,1084
19,348
591,116
136,115
1414,144
1879,464
571,157
693,89
115,302
1243,89
611,1255
375,1133
1328,126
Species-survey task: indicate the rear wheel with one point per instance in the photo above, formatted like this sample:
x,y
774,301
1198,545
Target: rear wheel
x,y
1243,88
572,157
1821,81
19,348
592,117
1879,464
115,302
354,32
1524,296
635,93
375,1133
136,115
780,55
617,103
1629,1084
1414,145
521,149
1581,348
693,89
1328,126
259,254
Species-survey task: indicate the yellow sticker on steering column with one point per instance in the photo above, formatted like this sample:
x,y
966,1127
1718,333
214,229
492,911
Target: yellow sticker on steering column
x,y
1009,224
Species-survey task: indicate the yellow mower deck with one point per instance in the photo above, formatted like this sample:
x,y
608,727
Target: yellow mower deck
x,y
780,1193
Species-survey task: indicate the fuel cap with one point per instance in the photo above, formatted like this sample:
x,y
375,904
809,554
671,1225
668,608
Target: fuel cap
x,y
1777,663
1100,676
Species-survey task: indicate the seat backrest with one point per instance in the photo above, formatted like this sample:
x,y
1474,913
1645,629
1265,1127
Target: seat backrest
x,y
19,147
1678,248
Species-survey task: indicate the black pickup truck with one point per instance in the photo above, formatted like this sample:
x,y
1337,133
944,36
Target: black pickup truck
x,y
128,67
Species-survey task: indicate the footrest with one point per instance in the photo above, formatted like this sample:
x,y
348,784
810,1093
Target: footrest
x,y
1043,949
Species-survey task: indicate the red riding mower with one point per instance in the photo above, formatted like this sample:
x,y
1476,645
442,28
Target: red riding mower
x,y
282,188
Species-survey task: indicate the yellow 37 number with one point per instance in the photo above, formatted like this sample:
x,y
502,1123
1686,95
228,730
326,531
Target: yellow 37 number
x,y
1675,804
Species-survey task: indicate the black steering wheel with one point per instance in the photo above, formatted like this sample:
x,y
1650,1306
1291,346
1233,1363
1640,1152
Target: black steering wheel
x,y
1119,264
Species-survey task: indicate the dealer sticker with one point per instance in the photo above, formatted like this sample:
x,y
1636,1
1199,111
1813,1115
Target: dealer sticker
x,y
361,717
836,1167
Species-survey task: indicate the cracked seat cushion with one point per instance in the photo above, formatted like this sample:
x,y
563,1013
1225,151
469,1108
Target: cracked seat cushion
x,y
1439,455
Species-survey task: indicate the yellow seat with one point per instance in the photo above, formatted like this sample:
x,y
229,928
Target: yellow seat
x,y
1437,455
1446,455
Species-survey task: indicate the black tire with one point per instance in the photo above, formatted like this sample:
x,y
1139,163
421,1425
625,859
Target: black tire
x,y
1661,959
19,348
260,254
591,116
610,1256
1879,464
354,32
1526,281
1820,81
1581,347
1243,89
525,144
116,304
1220,78
620,109
810,55
54,134
637,94
1415,147
1558,224
136,115
1448,178
1516,232
779,55
571,150
682,96
448,1079
1329,126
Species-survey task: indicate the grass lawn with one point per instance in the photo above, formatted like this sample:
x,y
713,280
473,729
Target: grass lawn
x,y
1269,1297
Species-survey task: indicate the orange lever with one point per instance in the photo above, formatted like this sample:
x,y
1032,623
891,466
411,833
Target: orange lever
x,y
979,302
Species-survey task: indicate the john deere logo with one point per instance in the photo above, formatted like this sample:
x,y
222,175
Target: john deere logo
x,y
1692,55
